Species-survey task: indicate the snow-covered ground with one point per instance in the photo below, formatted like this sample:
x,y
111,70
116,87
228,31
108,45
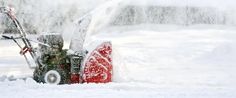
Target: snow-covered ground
x,y
150,61
184,63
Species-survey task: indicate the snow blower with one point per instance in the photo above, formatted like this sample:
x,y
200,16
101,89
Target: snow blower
x,y
55,65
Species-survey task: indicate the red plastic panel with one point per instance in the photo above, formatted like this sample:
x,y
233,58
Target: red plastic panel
x,y
98,66
74,78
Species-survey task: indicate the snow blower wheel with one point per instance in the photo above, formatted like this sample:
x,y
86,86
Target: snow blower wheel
x,y
52,77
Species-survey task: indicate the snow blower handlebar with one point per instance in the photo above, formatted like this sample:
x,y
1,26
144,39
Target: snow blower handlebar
x,y
8,37
23,50
28,47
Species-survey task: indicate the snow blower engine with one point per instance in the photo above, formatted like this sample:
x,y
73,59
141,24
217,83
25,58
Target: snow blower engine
x,y
55,65
59,66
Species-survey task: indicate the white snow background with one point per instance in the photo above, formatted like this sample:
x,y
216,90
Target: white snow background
x,y
150,61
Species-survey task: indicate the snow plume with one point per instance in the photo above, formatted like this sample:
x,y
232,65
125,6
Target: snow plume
x,y
164,12
178,12
163,54
58,16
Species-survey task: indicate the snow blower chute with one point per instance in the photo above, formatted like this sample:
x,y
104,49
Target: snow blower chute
x,y
55,65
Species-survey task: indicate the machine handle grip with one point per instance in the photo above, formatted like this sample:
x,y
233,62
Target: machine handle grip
x,y
6,37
